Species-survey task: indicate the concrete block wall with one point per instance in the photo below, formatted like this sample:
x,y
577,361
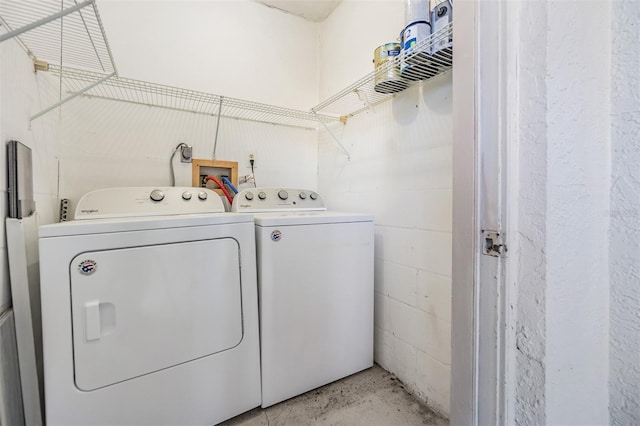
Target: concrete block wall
x,y
400,170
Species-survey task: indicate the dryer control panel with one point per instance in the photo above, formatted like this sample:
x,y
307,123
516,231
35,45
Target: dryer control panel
x,y
255,200
147,201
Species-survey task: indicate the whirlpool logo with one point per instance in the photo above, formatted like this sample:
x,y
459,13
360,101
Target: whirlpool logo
x,y
276,235
87,267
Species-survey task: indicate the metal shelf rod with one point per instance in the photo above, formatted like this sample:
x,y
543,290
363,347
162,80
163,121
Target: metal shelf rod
x,y
333,136
20,42
93,44
215,143
68,98
104,37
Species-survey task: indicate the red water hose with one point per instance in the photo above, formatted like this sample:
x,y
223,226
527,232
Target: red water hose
x,y
224,190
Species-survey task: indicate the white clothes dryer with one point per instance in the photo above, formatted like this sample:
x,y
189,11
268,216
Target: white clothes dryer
x,y
315,280
149,310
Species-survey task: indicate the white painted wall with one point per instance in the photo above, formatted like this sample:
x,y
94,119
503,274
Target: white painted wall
x,y
560,228
400,170
624,247
109,143
237,48
349,37
22,94
578,172
527,217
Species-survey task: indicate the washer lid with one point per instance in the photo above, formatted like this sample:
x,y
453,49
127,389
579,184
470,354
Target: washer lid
x,y
309,218
102,226
147,201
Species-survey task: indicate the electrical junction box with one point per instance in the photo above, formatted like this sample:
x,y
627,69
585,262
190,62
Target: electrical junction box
x,y
200,169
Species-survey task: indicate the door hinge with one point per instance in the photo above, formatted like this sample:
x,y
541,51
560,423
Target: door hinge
x,y
493,244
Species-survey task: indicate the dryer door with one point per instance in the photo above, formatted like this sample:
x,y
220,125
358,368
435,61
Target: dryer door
x,y
142,309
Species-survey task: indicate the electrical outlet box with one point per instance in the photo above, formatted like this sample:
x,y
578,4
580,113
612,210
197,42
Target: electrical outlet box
x,y
186,153
252,158
200,169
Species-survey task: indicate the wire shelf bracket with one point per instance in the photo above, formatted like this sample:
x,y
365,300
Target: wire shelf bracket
x,y
332,135
72,96
215,142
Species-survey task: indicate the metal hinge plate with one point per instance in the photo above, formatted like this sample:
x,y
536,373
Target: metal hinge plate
x,y
493,244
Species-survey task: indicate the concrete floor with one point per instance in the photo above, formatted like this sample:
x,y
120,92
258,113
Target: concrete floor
x,y
371,397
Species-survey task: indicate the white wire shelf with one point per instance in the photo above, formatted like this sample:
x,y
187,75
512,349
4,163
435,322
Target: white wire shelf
x,y
151,94
70,37
361,95
64,32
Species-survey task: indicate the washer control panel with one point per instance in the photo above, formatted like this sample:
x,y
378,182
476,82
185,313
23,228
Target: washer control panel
x,y
277,199
147,201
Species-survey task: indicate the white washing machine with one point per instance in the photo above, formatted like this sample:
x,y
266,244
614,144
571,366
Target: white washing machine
x,y
149,310
315,279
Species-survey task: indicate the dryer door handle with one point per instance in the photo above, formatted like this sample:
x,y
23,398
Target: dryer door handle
x,y
92,320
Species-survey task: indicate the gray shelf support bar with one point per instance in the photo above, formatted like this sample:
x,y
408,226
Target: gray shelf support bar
x,y
332,135
18,39
70,97
44,21
215,143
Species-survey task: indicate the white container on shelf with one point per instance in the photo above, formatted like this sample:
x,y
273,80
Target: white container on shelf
x,y
387,79
442,46
416,10
415,63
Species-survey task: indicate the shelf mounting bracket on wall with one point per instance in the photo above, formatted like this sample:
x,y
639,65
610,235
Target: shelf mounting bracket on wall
x,y
331,134
362,95
73,96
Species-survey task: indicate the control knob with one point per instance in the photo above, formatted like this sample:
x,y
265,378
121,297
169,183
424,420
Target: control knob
x,y
156,195
313,196
303,195
202,195
186,195
283,195
262,195
249,196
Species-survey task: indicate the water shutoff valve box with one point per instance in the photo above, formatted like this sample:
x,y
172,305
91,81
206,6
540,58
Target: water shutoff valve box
x,y
200,169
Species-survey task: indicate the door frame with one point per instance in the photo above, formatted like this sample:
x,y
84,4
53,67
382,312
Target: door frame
x,y
482,356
